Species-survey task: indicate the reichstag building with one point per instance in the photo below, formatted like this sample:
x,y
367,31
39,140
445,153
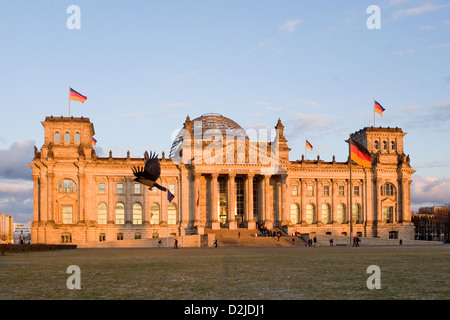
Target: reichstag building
x,y
223,178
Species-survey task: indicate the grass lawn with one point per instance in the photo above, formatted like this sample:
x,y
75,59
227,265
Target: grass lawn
x,y
295,273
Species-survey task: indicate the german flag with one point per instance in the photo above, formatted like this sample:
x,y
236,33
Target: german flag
x,y
359,154
94,142
73,95
309,145
378,108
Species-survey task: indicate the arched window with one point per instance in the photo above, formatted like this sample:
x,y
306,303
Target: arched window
x,y
388,214
67,186
67,137
154,214
356,213
310,213
385,145
340,216
120,213
326,214
77,137
392,145
57,136
137,213
388,189
376,145
102,213
172,214
294,213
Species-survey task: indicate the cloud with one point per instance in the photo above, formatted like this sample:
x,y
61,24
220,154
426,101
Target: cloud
x,y
14,161
16,199
442,104
175,105
396,2
289,25
402,53
427,7
266,42
430,190
302,122
269,106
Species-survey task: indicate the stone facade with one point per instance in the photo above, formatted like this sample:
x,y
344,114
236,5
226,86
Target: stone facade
x,y
231,182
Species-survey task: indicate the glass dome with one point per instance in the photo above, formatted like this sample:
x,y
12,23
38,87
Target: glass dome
x,y
210,124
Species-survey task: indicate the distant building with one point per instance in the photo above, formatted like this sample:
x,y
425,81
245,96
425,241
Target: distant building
x,y
232,182
6,228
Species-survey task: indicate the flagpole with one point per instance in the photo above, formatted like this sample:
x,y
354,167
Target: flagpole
x,y
374,113
69,101
351,191
306,157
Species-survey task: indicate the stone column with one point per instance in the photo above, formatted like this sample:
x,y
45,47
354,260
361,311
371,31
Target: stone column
x,y
44,196
232,225
111,204
37,200
81,218
334,192
405,201
303,202
145,211
268,216
215,224
164,204
183,200
319,194
251,224
128,204
50,197
284,201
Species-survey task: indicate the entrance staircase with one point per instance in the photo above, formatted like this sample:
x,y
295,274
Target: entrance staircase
x,y
251,238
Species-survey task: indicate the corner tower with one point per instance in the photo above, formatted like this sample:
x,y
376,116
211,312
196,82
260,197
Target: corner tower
x,y
391,181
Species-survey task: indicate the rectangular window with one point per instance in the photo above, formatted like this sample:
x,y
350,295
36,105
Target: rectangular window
x,y
67,214
66,237
341,190
101,188
137,236
120,188
326,190
172,188
137,188
101,237
356,190
120,236
310,190
295,190
154,190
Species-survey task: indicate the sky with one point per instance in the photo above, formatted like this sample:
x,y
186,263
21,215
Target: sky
x,y
145,65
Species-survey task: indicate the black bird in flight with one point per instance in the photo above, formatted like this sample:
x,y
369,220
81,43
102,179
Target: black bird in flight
x,y
148,174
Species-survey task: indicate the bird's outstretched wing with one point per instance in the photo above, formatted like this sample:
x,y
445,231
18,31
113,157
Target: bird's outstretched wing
x,y
152,169
138,171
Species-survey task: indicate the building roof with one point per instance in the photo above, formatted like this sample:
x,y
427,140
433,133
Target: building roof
x,y
209,124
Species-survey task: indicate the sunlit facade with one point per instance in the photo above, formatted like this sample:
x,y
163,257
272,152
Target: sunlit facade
x,y
222,178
